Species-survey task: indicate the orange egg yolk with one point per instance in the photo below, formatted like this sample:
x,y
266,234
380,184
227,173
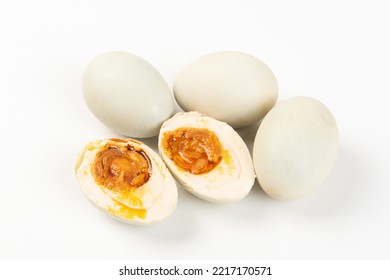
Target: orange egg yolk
x,y
121,168
195,150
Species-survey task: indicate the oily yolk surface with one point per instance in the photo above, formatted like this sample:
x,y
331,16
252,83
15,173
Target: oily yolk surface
x,y
126,212
196,150
121,168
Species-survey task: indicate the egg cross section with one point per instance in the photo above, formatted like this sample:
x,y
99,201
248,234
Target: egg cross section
x,y
126,179
207,157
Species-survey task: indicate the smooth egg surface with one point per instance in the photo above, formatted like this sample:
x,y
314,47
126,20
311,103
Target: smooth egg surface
x,y
207,157
126,179
127,94
233,87
295,148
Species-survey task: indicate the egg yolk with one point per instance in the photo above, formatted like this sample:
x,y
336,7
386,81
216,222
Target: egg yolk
x,y
196,150
126,212
121,168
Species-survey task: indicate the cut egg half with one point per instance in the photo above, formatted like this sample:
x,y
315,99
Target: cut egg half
x,y
207,157
127,179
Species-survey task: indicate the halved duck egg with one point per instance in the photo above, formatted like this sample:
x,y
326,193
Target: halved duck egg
x,y
127,179
207,157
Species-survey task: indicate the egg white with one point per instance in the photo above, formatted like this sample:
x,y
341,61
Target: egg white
x,y
158,194
232,179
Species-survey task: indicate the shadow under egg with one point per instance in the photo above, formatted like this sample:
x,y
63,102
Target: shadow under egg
x,y
342,188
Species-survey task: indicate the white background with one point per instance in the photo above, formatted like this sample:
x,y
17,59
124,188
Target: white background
x,y
335,51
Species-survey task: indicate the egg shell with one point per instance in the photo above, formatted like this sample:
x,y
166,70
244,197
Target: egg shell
x,y
231,180
233,87
295,148
127,94
160,191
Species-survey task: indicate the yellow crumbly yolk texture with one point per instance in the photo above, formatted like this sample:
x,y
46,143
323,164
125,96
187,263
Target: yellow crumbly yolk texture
x,y
120,170
195,150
